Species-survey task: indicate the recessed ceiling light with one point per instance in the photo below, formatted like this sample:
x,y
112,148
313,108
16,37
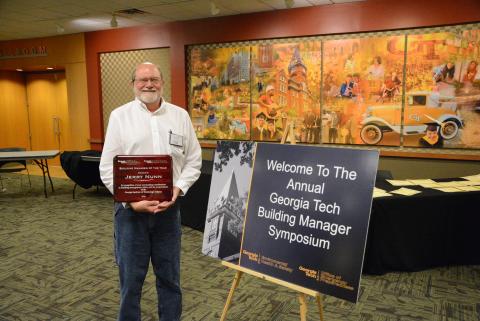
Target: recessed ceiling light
x,y
49,68
19,69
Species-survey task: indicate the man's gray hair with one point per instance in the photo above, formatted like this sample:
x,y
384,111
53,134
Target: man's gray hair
x,y
145,63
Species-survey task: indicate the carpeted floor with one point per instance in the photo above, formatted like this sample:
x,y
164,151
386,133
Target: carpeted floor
x,y
56,263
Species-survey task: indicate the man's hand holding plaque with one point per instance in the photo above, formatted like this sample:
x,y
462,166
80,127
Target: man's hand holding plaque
x,y
144,179
155,206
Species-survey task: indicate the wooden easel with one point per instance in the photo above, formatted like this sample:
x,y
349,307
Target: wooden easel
x,y
301,290
289,131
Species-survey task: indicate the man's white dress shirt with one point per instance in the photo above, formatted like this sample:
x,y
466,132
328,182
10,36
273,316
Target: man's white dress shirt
x,y
134,130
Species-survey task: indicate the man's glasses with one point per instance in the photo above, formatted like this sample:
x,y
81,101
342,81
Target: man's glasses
x,y
144,81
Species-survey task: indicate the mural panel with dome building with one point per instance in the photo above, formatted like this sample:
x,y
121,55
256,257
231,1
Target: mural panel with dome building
x,y
286,89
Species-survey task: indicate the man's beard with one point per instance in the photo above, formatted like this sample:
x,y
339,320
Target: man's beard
x,y
148,97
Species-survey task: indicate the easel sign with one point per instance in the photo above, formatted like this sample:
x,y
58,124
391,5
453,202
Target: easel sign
x,y
307,216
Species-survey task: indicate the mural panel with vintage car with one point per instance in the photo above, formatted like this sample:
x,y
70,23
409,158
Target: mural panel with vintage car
x,y
421,108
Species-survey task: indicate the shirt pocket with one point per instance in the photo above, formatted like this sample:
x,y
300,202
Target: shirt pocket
x,y
178,154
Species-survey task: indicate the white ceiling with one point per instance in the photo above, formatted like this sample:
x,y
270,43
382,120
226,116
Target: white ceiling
x,y
23,19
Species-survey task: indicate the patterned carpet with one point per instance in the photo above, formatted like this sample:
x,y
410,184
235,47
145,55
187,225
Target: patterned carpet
x,y
56,263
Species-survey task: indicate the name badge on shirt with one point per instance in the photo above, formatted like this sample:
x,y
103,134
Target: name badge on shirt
x,y
176,140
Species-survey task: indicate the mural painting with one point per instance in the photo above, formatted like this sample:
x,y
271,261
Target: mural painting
x,y
286,90
362,90
442,106
406,89
219,100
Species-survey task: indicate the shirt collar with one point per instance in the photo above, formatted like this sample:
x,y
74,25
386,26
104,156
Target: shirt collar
x,y
161,110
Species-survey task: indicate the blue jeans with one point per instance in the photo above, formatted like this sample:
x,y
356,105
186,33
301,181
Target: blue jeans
x,y
139,238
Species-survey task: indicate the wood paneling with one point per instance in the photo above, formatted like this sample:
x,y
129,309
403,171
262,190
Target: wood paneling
x,y
13,111
76,74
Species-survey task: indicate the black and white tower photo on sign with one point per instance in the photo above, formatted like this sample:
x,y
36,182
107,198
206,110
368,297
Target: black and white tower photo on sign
x,y
227,201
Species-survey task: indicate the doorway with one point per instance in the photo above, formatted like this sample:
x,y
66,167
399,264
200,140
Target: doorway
x,y
47,111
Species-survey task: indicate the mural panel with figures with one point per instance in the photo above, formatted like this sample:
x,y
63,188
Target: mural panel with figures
x,y
443,90
286,89
362,90
219,100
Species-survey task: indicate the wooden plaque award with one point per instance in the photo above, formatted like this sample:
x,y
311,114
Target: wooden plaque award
x,y
142,177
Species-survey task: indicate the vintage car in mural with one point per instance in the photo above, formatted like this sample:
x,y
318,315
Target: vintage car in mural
x,y
421,108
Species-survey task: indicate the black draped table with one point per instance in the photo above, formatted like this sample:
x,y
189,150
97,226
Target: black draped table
x,y
429,229
406,233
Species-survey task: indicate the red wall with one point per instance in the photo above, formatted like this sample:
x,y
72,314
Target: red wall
x,y
371,15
